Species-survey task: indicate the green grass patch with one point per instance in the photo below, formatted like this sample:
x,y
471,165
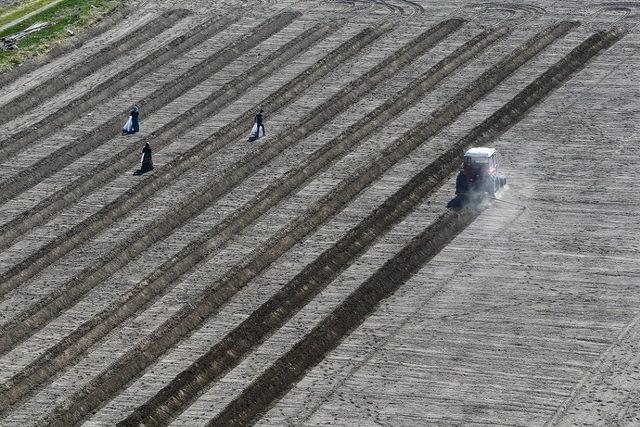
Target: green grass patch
x,y
71,15
20,9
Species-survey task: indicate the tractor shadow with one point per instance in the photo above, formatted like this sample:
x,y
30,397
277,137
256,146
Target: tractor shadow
x,y
476,201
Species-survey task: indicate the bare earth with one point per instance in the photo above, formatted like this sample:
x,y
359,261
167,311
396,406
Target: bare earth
x,y
315,276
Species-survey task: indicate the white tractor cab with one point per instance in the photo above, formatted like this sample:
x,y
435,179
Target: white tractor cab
x,y
478,176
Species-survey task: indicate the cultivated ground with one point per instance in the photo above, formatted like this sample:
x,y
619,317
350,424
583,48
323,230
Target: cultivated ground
x,y
315,276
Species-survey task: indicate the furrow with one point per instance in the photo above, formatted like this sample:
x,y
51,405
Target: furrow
x,y
159,282
160,138
163,226
239,170
12,332
171,90
364,84
114,84
189,318
48,88
309,351
305,354
158,411
92,331
317,275
129,200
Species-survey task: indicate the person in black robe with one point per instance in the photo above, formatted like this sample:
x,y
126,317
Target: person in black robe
x,y
146,160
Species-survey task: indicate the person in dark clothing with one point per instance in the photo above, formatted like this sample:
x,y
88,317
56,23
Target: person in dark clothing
x,y
135,119
259,122
146,160
133,123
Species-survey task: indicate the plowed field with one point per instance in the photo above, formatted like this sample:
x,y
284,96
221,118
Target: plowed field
x,y
315,275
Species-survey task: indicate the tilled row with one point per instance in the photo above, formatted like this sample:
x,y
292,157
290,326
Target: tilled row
x,y
189,318
291,367
176,396
161,137
25,324
219,186
147,186
171,90
249,163
114,84
49,87
73,346
315,277
152,183
162,279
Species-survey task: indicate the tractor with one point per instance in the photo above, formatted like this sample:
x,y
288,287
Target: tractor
x,y
478,176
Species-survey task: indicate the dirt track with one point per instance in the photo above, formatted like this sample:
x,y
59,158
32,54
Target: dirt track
x,y
323,248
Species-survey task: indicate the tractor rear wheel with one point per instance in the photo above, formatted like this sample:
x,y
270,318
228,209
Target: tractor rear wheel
x,y
462,187
493,186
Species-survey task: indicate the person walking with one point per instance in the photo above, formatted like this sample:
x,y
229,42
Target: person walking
x,y
146,161
135,119
133,123
259,119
